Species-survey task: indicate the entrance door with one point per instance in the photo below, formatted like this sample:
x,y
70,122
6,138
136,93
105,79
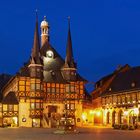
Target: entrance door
x,y
120,117
114,118
52,110
36,122
108,118
10,121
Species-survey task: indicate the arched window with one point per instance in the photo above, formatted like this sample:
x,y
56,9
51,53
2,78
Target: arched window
x,y
108,117
114,117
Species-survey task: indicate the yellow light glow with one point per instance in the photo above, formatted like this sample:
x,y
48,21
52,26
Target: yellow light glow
x,y
91,112
15,120
134,101
136,111
125,113
98,113
84,116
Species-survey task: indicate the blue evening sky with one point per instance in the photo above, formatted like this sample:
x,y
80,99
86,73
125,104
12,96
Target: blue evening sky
x,y
105,33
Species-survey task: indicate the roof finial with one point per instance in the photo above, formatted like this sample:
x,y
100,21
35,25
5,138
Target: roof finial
x,y
36,12
69,21
44,18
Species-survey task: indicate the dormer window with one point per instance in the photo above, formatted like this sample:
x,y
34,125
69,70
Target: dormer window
x,y
110,89
133,84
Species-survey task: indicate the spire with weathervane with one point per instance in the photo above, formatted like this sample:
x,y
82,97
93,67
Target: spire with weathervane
x,y
69,69
36,44
36,66
69,60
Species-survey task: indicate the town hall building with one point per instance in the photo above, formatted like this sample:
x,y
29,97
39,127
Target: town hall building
x,y
46,89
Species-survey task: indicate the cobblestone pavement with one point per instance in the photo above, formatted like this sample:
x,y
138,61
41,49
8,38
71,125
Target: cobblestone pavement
x,y
95,133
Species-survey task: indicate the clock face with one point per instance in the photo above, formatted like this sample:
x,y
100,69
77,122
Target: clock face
x,y
49,54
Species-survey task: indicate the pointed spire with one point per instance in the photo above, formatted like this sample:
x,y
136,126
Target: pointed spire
x,y
36,44
69,52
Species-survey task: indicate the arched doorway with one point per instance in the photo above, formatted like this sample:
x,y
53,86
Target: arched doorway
x,y
98,117
133,117
120,117
114,117
108,118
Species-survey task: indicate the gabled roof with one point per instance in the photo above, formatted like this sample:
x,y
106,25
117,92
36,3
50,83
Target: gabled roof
x,y
24,71
125,81
103,86
10,98
52,68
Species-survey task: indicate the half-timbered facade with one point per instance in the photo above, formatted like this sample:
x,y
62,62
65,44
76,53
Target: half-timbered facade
x,y
46,89
118,97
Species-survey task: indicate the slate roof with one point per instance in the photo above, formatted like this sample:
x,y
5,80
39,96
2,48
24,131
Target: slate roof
x,y
125,79
53,68
10,98
24,70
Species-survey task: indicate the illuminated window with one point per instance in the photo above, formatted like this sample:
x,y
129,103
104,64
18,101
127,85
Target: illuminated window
x,y
57,85
32,105
81,92
15,108
4,107
57,90
61,86
48,84
22,88
32,86
133,84
37,105
38,86
81,86
48,90
53,85
10,108
72,88
41,87
27,83
61,90
72,106
41,105
67,88
27,88
67,106
21,82
53,89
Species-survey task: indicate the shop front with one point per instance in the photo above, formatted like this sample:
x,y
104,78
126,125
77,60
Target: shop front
x,y
36,122
10,121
